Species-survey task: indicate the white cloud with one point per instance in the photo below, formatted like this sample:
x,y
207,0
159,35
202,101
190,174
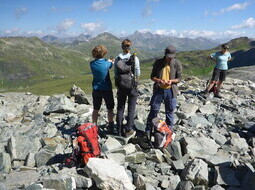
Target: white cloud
x,y
237,6
13,31
101,5
93,28
144,30
20,12
197,33
249,23
166,32
65,25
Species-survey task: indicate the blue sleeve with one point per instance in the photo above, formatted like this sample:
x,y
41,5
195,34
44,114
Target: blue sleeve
x,y
229,56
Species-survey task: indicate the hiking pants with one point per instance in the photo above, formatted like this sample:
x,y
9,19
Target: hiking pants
x,y
158,97
122,96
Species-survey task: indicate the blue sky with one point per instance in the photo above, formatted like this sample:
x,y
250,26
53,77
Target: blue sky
x,y
180,18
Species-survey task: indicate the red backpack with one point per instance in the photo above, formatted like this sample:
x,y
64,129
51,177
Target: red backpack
x,y
162,133
88,141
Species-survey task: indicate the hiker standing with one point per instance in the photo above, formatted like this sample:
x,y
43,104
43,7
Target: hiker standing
x,y
221,59
166,73
126,91
102,86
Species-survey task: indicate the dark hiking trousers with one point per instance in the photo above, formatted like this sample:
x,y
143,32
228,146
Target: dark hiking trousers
x,y
166,96
122,96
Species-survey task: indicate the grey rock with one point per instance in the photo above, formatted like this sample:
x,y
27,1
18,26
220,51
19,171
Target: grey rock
x,y
197,147
248,181
108,174
239,144
199,187
5,162
118,157
22,178
178,164
79,95
126,149
186,185
110,144
197,172
59,182
217,187
136,158
198,120
219,139
174,181
82,181
43,157
175,150
187,110
207,109
30,160
2,186
156,155
59,104
226,176
165,183
34,186
20,146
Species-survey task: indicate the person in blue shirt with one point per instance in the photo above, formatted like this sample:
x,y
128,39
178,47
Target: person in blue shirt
x,y
102,85
123,94
221,59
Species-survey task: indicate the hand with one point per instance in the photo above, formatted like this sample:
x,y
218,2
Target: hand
x,y
169,82
162,81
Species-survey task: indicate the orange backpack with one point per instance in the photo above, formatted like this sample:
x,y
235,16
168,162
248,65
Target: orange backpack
x,y
88,141
162,133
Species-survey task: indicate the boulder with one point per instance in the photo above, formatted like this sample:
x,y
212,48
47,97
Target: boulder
x,y
59,104
20,146
196,147
197,172
79,95
108,174
136,158
57,181
226,176
5,162
19,179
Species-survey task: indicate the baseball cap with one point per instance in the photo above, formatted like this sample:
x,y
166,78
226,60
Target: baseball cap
x,y
170,51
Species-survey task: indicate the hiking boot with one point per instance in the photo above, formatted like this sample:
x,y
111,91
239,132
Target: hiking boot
x,y
130,134
218,95
110,128
206,93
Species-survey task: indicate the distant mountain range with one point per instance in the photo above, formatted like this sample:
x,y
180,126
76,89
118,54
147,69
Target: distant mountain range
x,y
153,44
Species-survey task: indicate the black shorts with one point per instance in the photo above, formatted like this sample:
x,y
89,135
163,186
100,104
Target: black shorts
x,y
98,95
219,74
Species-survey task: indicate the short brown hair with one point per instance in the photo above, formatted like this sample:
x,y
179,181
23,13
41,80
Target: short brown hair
x,y
99,51
126,44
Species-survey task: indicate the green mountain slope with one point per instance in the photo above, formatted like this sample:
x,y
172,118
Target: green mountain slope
x,y
24,60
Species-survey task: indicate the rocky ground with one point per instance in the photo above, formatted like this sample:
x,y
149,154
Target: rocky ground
x,y
214,146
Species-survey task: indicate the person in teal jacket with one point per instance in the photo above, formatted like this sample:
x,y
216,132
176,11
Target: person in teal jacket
x,y
221,59
102,85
